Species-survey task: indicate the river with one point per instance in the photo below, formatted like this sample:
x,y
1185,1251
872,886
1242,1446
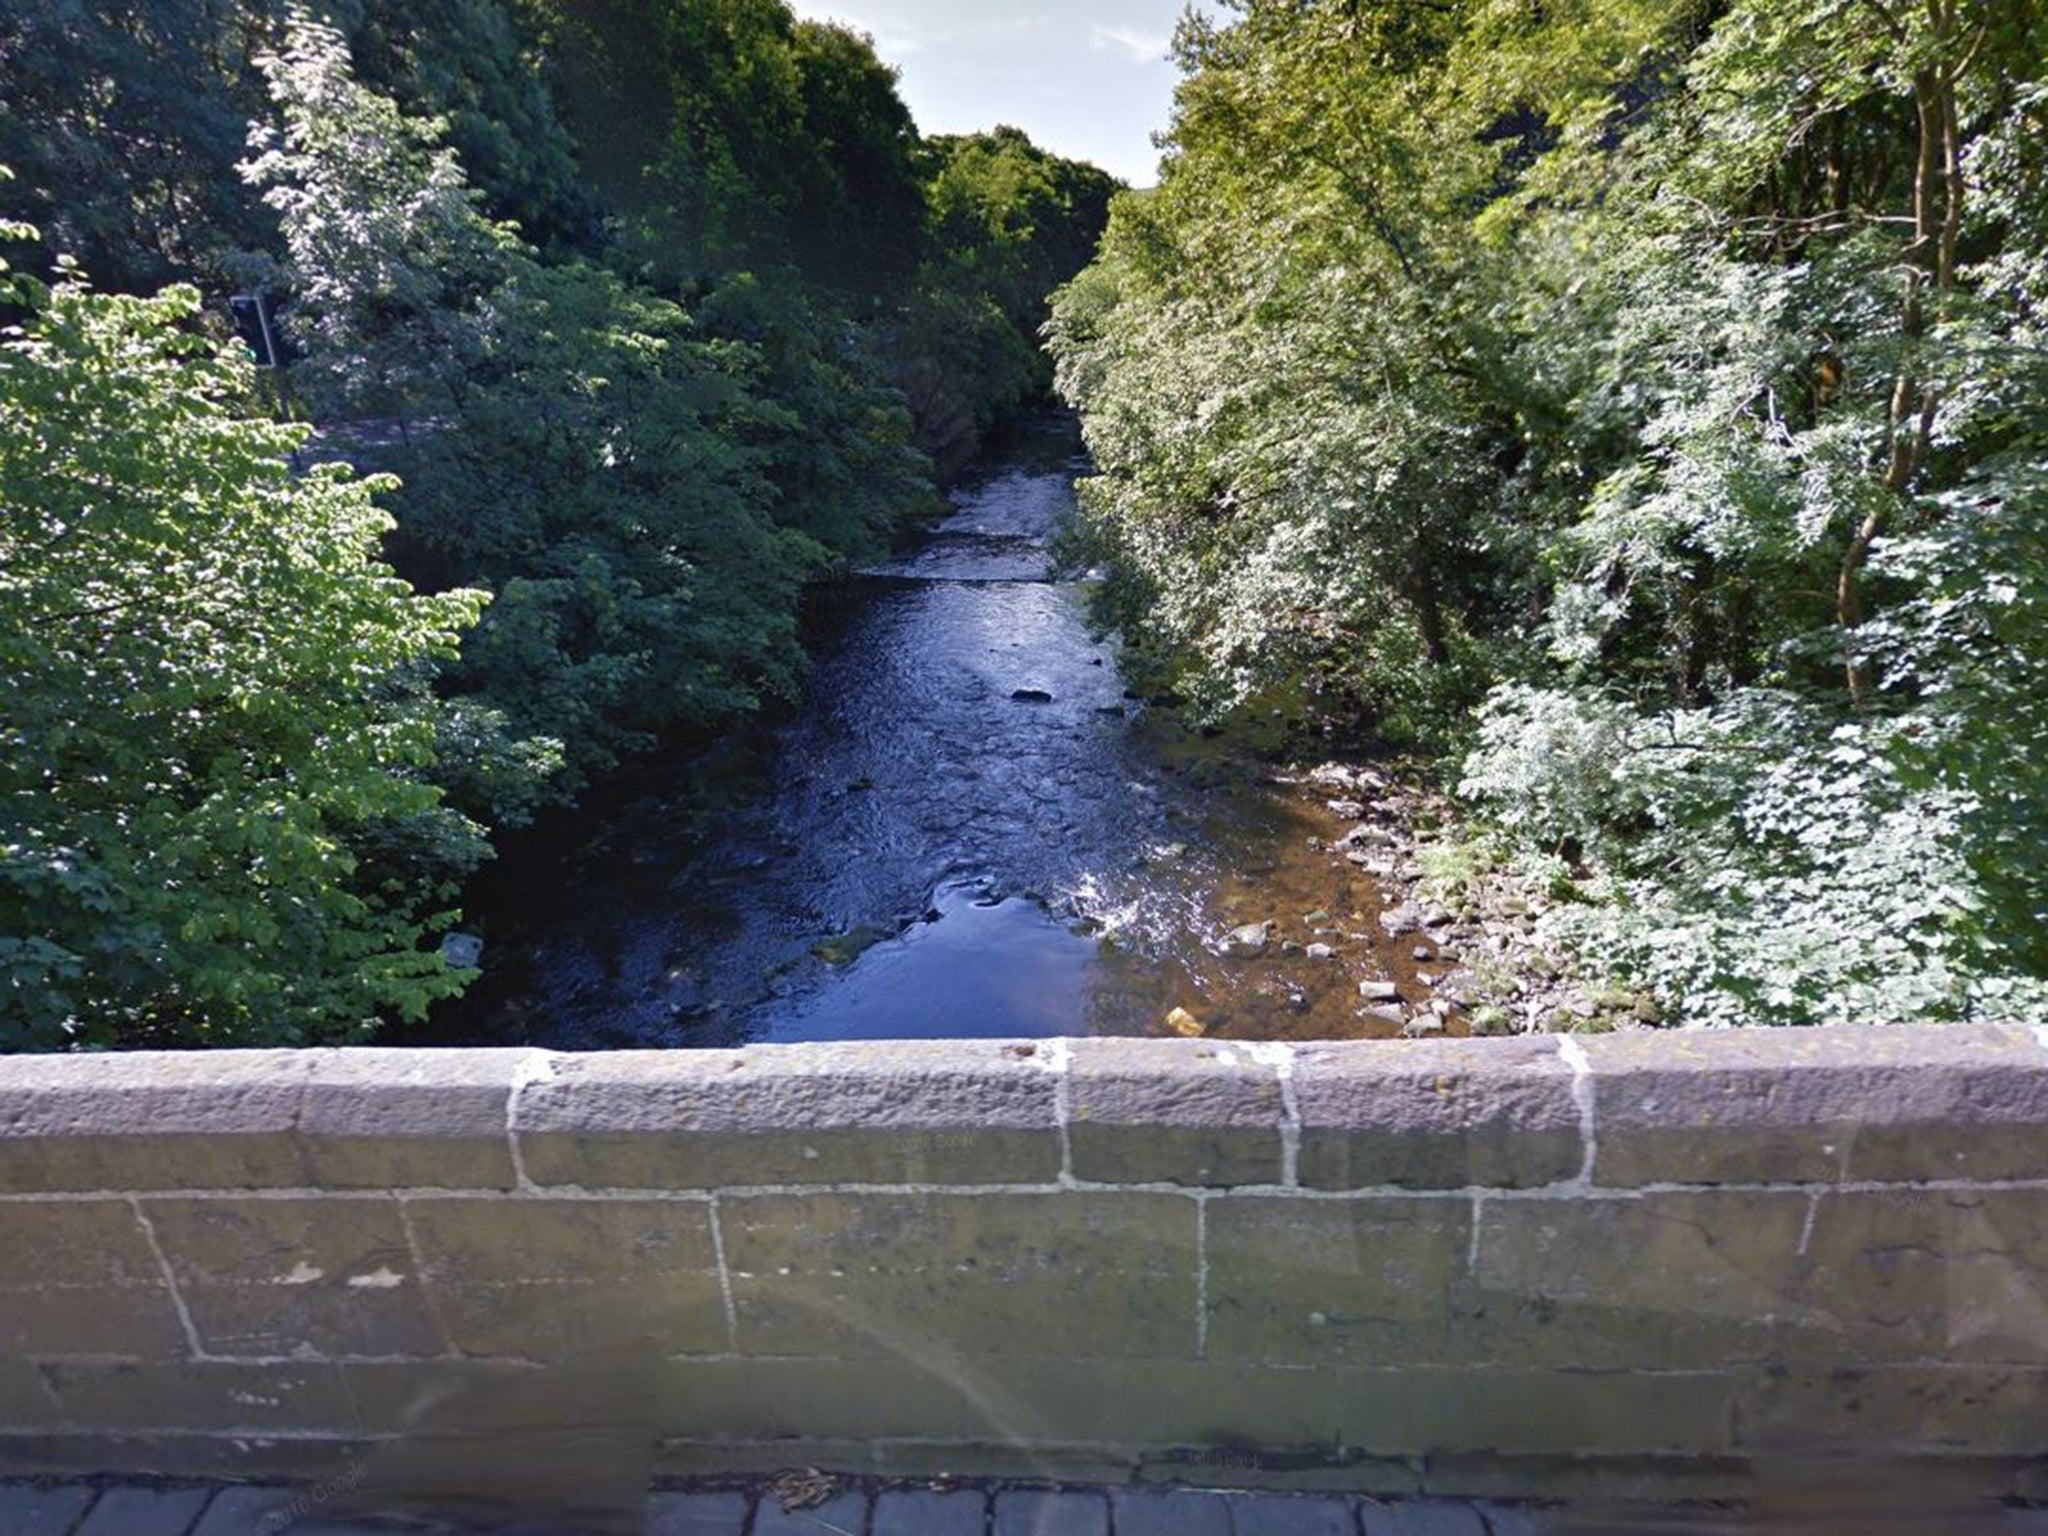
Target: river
x,y
968,829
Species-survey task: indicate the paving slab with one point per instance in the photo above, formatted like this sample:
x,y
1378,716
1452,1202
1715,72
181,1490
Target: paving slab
x,y
1169,1512
697,1514
1283,1515
29,1510
901,1513
250,1512
1421,1517
1513,1520
846,1515
1028,1513
144,1512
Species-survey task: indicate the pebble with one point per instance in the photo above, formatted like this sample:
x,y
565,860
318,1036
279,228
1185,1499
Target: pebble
x,y
1181,1022
1321,952
1379,991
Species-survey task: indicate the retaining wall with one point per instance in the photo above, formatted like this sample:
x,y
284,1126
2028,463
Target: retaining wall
x,y
1506,1267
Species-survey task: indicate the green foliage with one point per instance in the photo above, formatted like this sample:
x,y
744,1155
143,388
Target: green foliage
x,y
1678,371
211,711
391,259
125,122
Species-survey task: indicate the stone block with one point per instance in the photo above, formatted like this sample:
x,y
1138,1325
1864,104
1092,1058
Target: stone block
x,y
1168,1512
1669,1281
1441,1114
1781,1106
1420,1517
196,1397
877,1112
34,1509
1280,1514
408,1119
250,1512
172,1121
1322,1282
79,1278
1956,1275
555,1279
93,1243
144,1512
267,1278
1892,1411
1091,1275
962,1512
1170,1112
449,1397
846,1512
1032,1512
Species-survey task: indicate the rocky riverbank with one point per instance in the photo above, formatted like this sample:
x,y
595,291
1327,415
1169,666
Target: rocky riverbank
x,y
1470,926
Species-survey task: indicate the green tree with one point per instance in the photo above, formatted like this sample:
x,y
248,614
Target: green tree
x,y
212,716
390,256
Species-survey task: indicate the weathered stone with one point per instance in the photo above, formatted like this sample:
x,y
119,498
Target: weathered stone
x,y
199,1396
572,1279
901,1513
697,1514
1324,1282
1279,1514
453,1396
1168,1512
213,1120
79,1278
273,1278
842,1512
1087,1275
27,1509
1154,1112
141,1512
1784,1106
967,1112
1669,1281
1027,1512
1956,1275
136,1322
408,1119
1436,1115
1901,1410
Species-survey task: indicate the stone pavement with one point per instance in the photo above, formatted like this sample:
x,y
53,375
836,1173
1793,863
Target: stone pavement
x,y
168,1509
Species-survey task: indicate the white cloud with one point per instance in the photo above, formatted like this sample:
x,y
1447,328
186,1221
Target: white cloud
x,y
1138,47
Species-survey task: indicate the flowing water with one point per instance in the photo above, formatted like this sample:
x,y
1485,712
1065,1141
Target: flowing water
x,y
968,829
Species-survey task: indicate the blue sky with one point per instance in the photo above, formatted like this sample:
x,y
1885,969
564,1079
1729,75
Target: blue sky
x,y
1086,78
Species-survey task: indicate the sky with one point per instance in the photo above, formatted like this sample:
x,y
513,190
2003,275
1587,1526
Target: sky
x,y
1085,78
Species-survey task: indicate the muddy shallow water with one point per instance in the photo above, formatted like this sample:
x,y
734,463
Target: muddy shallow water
x,y
968,829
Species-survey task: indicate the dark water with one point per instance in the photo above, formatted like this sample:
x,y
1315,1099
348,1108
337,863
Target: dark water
x,y
969,829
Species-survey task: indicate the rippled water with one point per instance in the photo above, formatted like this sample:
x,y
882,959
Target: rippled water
x,y
969,829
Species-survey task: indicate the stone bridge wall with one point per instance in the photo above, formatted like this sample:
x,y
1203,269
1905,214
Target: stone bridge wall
x,y
1510,1267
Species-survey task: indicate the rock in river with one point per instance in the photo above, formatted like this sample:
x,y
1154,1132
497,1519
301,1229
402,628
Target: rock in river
x,y
1032,696
845,948
1248,942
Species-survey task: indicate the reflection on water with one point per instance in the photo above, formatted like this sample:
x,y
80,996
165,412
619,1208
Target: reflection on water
x,y
969,829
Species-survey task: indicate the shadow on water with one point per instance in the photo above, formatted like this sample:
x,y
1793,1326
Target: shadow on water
x,y
968,829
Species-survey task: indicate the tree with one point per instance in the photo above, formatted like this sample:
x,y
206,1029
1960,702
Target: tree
x,y
390,256
212,713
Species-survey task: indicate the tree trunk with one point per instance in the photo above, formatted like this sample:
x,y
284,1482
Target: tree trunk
x,y
1938,197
